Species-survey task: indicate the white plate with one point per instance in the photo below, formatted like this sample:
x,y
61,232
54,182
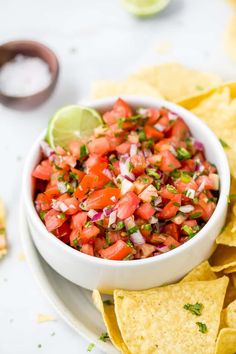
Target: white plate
x,y
73,303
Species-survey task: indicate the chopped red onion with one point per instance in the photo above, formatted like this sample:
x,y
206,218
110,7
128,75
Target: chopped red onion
x,y
129,222
172,115
59,205
201,187
215,180
46,149
147,153
98,216
133,150
172,150
137,238
157,200
190,193
153,220
198,145
91,213
112,218
107,173
143,112
179,219
162,248
126,186
62,187
107,211
129,178
186,208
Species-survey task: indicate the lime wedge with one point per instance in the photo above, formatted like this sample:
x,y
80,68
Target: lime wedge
x,y
72,123
144,7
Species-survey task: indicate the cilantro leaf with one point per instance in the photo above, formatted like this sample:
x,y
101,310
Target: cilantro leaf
x,y
196,309
202,327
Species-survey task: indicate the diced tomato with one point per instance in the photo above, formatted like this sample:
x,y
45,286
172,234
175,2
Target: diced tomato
x,y
99,243
96,160
74,147
72,204
180,130
54,219
141,183
207,206
171,208
146,232
209,167
117,251
145,211
164,122
172,230
153,115
127,205
153,133
123,108
88,233
79,174
148,194
154,159
198,212
52,192
43,170
63,231
42,202
99,146
182,186
138,164
166,194
87,249
102,198
168,162
124,148
79,220
85,185
146,250
188,165
171,242
162,145
114,141
100,178
74,238
133,138
113,236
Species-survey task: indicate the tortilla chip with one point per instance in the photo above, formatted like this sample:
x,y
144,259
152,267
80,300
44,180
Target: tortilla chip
x,y
3,239
234,279
230,38
230,315
154,321
230,270
220,104
102,89
109,318
226,341
230,295
175,81
224,257
200,273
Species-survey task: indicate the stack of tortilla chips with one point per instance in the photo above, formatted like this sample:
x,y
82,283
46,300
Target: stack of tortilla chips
x,y
197,315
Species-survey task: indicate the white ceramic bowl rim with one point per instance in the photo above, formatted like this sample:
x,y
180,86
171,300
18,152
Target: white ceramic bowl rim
x,y
140,101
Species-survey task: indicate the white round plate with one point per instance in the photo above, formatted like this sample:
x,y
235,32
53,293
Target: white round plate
x,y
73,303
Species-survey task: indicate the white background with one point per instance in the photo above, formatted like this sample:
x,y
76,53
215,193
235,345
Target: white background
x,y
94,39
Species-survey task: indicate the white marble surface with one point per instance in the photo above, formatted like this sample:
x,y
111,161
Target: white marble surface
x,y
94,40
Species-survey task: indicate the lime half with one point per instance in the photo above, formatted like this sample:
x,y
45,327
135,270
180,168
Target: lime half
x,y
144,7
72,123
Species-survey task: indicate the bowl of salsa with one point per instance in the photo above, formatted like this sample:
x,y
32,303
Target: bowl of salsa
x,y
137,204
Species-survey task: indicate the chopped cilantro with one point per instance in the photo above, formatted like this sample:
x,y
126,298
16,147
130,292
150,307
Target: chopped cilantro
x,y
175,174
171,189
134,118
61,176
120,297
187,229
127,257
129,243
61,216
120,122
183,154
143,179
132,230
104,337
73,176
223,143
195,215
88,223
90,347
108,302
109,184
112,159
83,151
157,185
42,214
111,167
176,204
196,309
120,225
108,240
185,177
149,143
202,327
142,136
153,174
57,167
147,227
100,222
75,242
130,166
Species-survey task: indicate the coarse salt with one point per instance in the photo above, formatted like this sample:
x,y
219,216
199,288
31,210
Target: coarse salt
x,y
24,76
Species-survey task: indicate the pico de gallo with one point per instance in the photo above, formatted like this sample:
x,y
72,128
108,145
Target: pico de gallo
x,y
139,187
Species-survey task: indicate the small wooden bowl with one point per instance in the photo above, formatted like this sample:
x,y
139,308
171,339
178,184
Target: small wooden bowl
x,y
32,49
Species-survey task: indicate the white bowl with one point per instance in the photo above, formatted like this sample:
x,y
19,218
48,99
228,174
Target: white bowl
x,y
106,275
